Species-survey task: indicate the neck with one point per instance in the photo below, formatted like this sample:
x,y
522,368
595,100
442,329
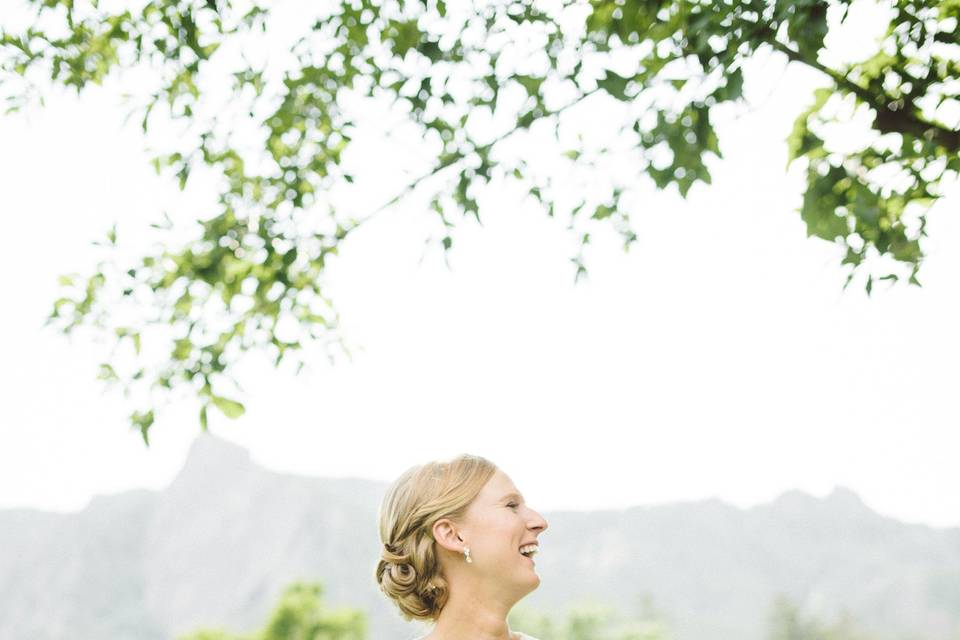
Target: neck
x,y
475,618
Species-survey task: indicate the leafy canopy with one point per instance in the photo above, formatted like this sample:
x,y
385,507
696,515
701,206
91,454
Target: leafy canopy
x,y
655,70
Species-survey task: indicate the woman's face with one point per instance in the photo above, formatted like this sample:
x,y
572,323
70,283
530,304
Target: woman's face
x,y
499,522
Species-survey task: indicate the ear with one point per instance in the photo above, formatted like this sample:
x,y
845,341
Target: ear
x,y
445,533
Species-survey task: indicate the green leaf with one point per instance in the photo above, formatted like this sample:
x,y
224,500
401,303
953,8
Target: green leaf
x,y
107,372
822,202
603,211
405,35
182,349
527,118
615,85
230,408
530,83
732,87
808,27
144,421
801,140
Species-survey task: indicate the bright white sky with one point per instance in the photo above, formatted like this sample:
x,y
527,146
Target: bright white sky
x,y
719,358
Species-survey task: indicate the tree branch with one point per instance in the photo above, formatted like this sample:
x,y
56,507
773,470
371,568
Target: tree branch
x,y
888,120
452,161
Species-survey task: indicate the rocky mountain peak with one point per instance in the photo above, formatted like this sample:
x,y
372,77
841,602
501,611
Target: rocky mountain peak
x,y
213,457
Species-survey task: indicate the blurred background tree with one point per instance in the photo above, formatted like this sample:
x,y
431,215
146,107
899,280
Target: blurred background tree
x,y
787,622
590,621
480,86
299,615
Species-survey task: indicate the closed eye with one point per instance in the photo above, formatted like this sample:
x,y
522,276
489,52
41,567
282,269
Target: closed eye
x,y
512,505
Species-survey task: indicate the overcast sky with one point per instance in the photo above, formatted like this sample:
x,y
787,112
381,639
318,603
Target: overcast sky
x,y
720,357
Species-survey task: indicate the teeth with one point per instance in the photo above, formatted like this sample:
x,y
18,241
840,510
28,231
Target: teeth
x,y
529,548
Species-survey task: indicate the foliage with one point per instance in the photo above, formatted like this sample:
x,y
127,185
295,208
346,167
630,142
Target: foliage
x,y
299,615
591,622
657,71
787,622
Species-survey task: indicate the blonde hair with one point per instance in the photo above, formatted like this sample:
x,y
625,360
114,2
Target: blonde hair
x,y
409,568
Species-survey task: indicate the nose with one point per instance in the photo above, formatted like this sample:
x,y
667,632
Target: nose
x,y
539,522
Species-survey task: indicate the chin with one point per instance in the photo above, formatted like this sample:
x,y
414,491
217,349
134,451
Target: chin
x,y
535,582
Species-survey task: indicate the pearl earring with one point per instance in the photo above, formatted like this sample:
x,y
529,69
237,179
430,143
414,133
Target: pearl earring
x,y
466,552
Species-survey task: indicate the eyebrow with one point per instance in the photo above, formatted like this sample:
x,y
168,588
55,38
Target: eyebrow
x,y
511,495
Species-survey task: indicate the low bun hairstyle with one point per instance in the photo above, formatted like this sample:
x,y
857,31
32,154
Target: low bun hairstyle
x,y
408,571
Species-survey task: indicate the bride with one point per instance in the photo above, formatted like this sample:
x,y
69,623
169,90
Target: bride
x,y
458,542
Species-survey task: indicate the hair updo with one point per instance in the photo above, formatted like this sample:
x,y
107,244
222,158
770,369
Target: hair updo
x,y
409,568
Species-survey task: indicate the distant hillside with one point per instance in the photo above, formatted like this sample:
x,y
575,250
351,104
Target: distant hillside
x,y
217,546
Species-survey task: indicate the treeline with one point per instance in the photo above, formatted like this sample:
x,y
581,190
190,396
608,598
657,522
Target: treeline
x,y
301,614
785,621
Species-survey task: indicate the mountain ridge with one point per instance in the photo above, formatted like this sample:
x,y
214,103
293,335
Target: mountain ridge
x,y
217,546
